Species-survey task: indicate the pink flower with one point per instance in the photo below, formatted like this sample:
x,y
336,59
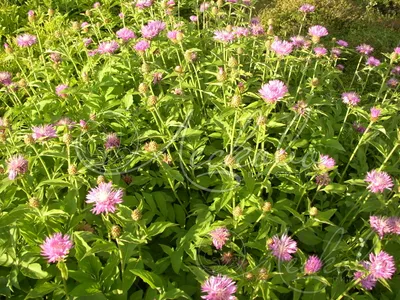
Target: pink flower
x,y
307,8
358,127
193,19
326,162
152,29
83,124
5,78
65,122
84,25
283,247
157,77
92,52
350,98
313,265
142,46
125,34
368,281
241,31
224,36
396,50
204,6
340,67
44,132
392,82
382,265
60,90
96,5
373,62
219,288
257,29
55,57
142,4
107,47
380,224
26,40
394,223
336,52
121,15
273,91
56,247
317,31
342,43
378,181
219,237
320,51
87,41
112,141
104,198
396,70
375,113
364,49
298,41
282,48
16,165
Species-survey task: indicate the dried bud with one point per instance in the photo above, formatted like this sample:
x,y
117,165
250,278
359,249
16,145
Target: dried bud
x,y
88,13
152,101
8,49
232,62
145,68
50,12
221,75
136,215
227,258
22,83
115,231
239,50
236,101
167,158
75,25
280,155
143,88
229,28
127,179
314,82
72,170
151,146
263,274
34,202
2,170
179,69
3,136
214,10
179,36
267,206
249,276
28,139
100,179
313,211
92,116
67,138
229,160
237,212
261,120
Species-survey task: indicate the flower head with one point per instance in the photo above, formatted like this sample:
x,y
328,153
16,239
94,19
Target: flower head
x,y
152,29
240,31
218,288
107,47
359,128
5,78
282,48
219,237
193,19
322,179
375,113
125,34
320,51
60,90
382,265
342,43
298,41
396,50
273,91
396,70
257,29
56,247
318,31
96,5
307,8
368,281
26,40
380,224
105,198
17,165
224,36
373,62
378,181
283,247
112,141
87,41
392,82
326,162
394,223
364,49
44,132
142,4
336,52
350,98
142,46
204,6
313,265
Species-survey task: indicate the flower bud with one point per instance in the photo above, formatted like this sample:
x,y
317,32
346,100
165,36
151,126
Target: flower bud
x,y
314,82
145,68
2,170
214,10
232,62
229,160
313,211
127,179
3,136
237,212
263,274
280,155
236,101
50,12
75,25
152,101
270,22
221,75
270,30
267,207
143,88
239,50
100,179
249,276
28,139
88,13
179,36
220,3
151,146
72,170
261,120
67,138
227,258
7,48
167,158
31,16
92,116
34,202
115,231
229,28
179,69
22,83
136,215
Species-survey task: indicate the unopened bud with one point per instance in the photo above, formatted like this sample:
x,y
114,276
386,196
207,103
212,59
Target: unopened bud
x,y
229,160
267,206
152,101
136,215
145,68
313,211
34,202
75,25
261,120
8,49
67,138
227,258
280,155
232,62
88,13
22,83
236,101
92,116
214,10
50,12
263,274
270,30
179,36
3,136
221,75
220,3
229,28
167,158
179,69
237,212
72,170
315,82
143,88
151,146
249,276
127,179
270,22
115,231
239,50
28,139
100,179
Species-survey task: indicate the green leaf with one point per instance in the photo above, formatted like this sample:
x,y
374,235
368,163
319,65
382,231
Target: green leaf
x,y
153,280
33,271
14,215
158,227
174,294
55,182
176,260
335,188
101,246
308,237
87,289
128,100
41,289
63,269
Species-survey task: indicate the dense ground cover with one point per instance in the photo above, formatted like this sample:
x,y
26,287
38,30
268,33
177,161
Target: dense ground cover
x,y
175,151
